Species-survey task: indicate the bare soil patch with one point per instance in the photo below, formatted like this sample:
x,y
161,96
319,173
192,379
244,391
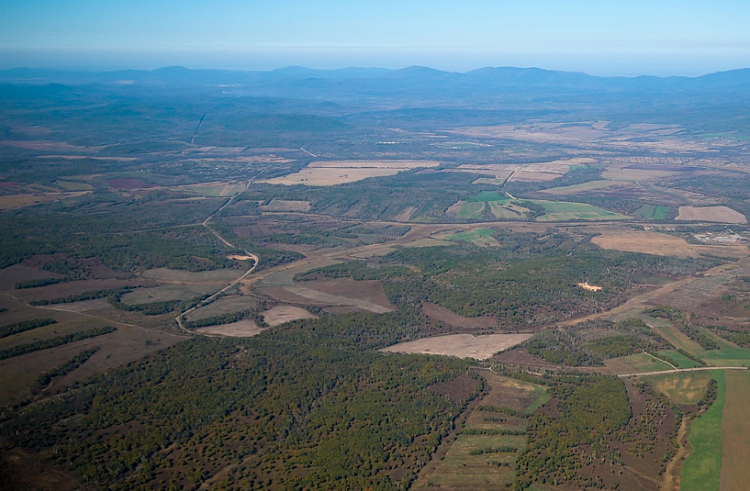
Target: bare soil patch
x,y
20,200
591,288
340,172
438,313
664,245
722,214
368,290
240,329
286,205
224,305
461,345
285,313
166,274
735,431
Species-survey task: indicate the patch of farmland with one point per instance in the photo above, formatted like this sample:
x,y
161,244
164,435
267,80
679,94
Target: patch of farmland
x,y
240,329
215,189
340,172
483,237
682,388
224,305
637,363
626,173
577,188
286,205
509,210
721,214
20,200
477,461
18,272
558,211
735,431
461,345
653,212
664,245
701,470
466,209
442,314
494,181
178,275
367,290
166,293
285,313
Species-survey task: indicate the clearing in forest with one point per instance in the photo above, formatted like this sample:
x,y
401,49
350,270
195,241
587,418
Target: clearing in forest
x,y
461,345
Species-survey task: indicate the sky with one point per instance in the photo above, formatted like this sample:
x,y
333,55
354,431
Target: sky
x,y
600,37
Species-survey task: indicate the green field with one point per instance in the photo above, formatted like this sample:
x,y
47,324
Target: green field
x,y
653,212
509,210
558,211
678,359
490,180
471,210
636,363
701,471
483,237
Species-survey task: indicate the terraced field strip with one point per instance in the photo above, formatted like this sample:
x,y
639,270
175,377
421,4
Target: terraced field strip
x,y
701,471
484,453
735,430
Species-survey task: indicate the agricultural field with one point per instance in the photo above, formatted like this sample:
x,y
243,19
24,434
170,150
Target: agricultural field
x,y
331,173
722,214
461,345
489,441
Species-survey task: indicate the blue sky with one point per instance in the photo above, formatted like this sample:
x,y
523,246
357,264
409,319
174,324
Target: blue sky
x,y
659,37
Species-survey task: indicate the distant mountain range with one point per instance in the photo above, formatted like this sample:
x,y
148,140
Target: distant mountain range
x,y
415,86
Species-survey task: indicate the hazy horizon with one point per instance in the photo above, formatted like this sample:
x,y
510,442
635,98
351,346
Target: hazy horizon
x,y
599,38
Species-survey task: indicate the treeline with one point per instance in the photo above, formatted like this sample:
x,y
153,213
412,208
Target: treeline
x,y
73,298
738,335
22,326
683,323
24,349
37,283
227,319
114,298
60,371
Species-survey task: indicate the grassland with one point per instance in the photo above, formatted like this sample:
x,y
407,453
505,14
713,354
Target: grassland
x,y
561,211
637,363
678,359
653,212
701,471
682,388
483,237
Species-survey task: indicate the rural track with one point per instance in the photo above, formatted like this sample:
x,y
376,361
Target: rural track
x,y
178,319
